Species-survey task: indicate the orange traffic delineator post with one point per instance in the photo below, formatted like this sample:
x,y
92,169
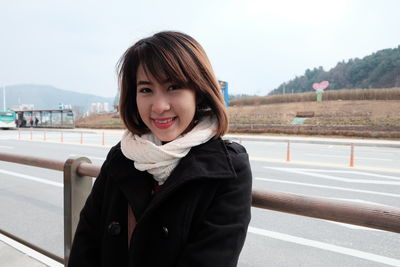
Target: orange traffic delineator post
x,y
102,140
44,136
31,134
288,151
352,155
62,137
81,138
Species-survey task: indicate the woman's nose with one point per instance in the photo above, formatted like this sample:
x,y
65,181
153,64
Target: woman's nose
x,y
160,104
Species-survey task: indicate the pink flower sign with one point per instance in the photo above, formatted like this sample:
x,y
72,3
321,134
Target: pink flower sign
x,y
320,86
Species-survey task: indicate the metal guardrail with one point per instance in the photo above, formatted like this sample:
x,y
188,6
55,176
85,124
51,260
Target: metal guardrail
x,y
77,187
41,134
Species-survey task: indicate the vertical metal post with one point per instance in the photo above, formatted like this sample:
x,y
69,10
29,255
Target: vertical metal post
x,y
76,191
4,98
288,151
62,122
352,155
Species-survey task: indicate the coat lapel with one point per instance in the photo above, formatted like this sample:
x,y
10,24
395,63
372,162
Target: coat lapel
x,y
135,185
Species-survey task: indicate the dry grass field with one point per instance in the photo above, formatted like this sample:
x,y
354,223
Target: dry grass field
x,y
100,121
372,118
369,113
330,95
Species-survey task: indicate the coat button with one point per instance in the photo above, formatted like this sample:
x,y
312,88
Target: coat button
x,y
164,232
114,228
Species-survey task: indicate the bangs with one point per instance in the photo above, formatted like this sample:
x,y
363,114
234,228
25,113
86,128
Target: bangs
x,y
163,64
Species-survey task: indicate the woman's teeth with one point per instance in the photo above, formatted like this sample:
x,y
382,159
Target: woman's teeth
x,y
164,121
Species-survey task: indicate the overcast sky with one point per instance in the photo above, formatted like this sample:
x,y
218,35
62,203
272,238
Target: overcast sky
x,y
255,45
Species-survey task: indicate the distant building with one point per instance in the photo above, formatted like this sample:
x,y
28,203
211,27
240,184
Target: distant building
x,y
98,107
93,108
62,106
116,101
24,107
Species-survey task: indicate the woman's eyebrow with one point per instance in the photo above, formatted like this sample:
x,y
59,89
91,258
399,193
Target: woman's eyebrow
x,y
168,80
143,83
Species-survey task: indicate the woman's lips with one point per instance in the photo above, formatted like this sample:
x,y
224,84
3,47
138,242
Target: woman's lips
x,y
163,123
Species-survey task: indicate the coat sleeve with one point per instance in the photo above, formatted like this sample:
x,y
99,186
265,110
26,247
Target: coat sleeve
x,y
221,236
85,250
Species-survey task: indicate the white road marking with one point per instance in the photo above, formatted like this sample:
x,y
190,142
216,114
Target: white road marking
x,y
351,172
326,156
32,178
325,246
330,177
353,227
7,147
345,156
358,157
30,252
329,187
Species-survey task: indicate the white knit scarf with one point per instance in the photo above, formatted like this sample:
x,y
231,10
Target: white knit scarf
x,y
149,154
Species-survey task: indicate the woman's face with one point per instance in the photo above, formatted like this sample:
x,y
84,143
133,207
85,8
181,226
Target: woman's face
x,y
166,108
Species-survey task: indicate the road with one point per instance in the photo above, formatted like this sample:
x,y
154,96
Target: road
x,y
31,198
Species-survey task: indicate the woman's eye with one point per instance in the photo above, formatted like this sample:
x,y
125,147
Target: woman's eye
x,y
144,90
174,87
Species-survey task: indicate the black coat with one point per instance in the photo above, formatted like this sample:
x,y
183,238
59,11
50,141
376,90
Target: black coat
x,y
198,218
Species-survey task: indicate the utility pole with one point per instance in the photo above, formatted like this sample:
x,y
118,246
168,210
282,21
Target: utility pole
x,y
4,97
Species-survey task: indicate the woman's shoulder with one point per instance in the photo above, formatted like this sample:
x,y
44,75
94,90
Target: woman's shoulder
x,y
115,157
114,152
233,147
116,166
217,148
218,143
235,153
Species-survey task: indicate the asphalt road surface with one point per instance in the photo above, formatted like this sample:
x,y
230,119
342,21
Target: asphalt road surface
x,y
31,201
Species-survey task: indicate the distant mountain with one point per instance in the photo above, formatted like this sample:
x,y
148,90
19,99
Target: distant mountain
x,y
378,70
49,97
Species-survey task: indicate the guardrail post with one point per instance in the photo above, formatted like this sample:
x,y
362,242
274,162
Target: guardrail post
x,y
352,155
76,191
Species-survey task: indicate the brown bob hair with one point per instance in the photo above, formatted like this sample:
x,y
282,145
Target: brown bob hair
x,y
179,58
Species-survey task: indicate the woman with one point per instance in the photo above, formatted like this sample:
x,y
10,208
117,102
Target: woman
x,y
172,192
